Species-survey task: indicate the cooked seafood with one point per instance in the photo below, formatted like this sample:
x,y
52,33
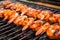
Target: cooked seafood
x,y
52,31
39,26
46,15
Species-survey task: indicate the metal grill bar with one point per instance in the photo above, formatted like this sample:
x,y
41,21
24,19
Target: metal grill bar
x,y
4,26
11,33
1,21
1,24
36,37
17,35
26,36
5,29
8,31
43,37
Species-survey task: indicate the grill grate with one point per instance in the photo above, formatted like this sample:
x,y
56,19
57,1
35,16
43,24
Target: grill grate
x,y
11,31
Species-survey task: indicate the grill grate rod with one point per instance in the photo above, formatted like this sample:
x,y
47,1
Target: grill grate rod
x,y
36,37
1,21
1,24
43,37
18,35
8,31
4,26
28,34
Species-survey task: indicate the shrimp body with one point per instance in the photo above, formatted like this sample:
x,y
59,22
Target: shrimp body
x,y
36,25
39,26
46,15
54,32
4,4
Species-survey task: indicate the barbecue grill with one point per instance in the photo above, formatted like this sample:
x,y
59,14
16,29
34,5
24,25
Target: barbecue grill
x,y
11,31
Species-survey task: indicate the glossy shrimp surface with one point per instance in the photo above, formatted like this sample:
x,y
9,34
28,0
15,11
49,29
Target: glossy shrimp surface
x,y
25,16
46,15
54,32
27,22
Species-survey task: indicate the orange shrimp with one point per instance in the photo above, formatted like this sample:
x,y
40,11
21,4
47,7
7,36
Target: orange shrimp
x,y
52,19
5,3
19,20
27,22
10,5
16,21
5,13
22,19
53,32
43,15
1,12
13,17
36,25
43,28
57,17
26,11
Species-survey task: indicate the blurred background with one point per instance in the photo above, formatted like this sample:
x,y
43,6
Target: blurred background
x,y
41,0
55,2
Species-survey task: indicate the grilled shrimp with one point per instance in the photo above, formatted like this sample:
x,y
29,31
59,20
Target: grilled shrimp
x,y
57,17
43,15
36,25
33,13
13,17
4,4
43,28
27,22
5,13
17,6
53,31
26,11
1,12
16,21
19,20
22,19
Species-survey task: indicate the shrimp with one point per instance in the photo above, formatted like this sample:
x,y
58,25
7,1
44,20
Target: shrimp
x,y
27,23
46,15
5,13
10,5
43,28
36,25
22,19
53,32
13,17
1,12
5,3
